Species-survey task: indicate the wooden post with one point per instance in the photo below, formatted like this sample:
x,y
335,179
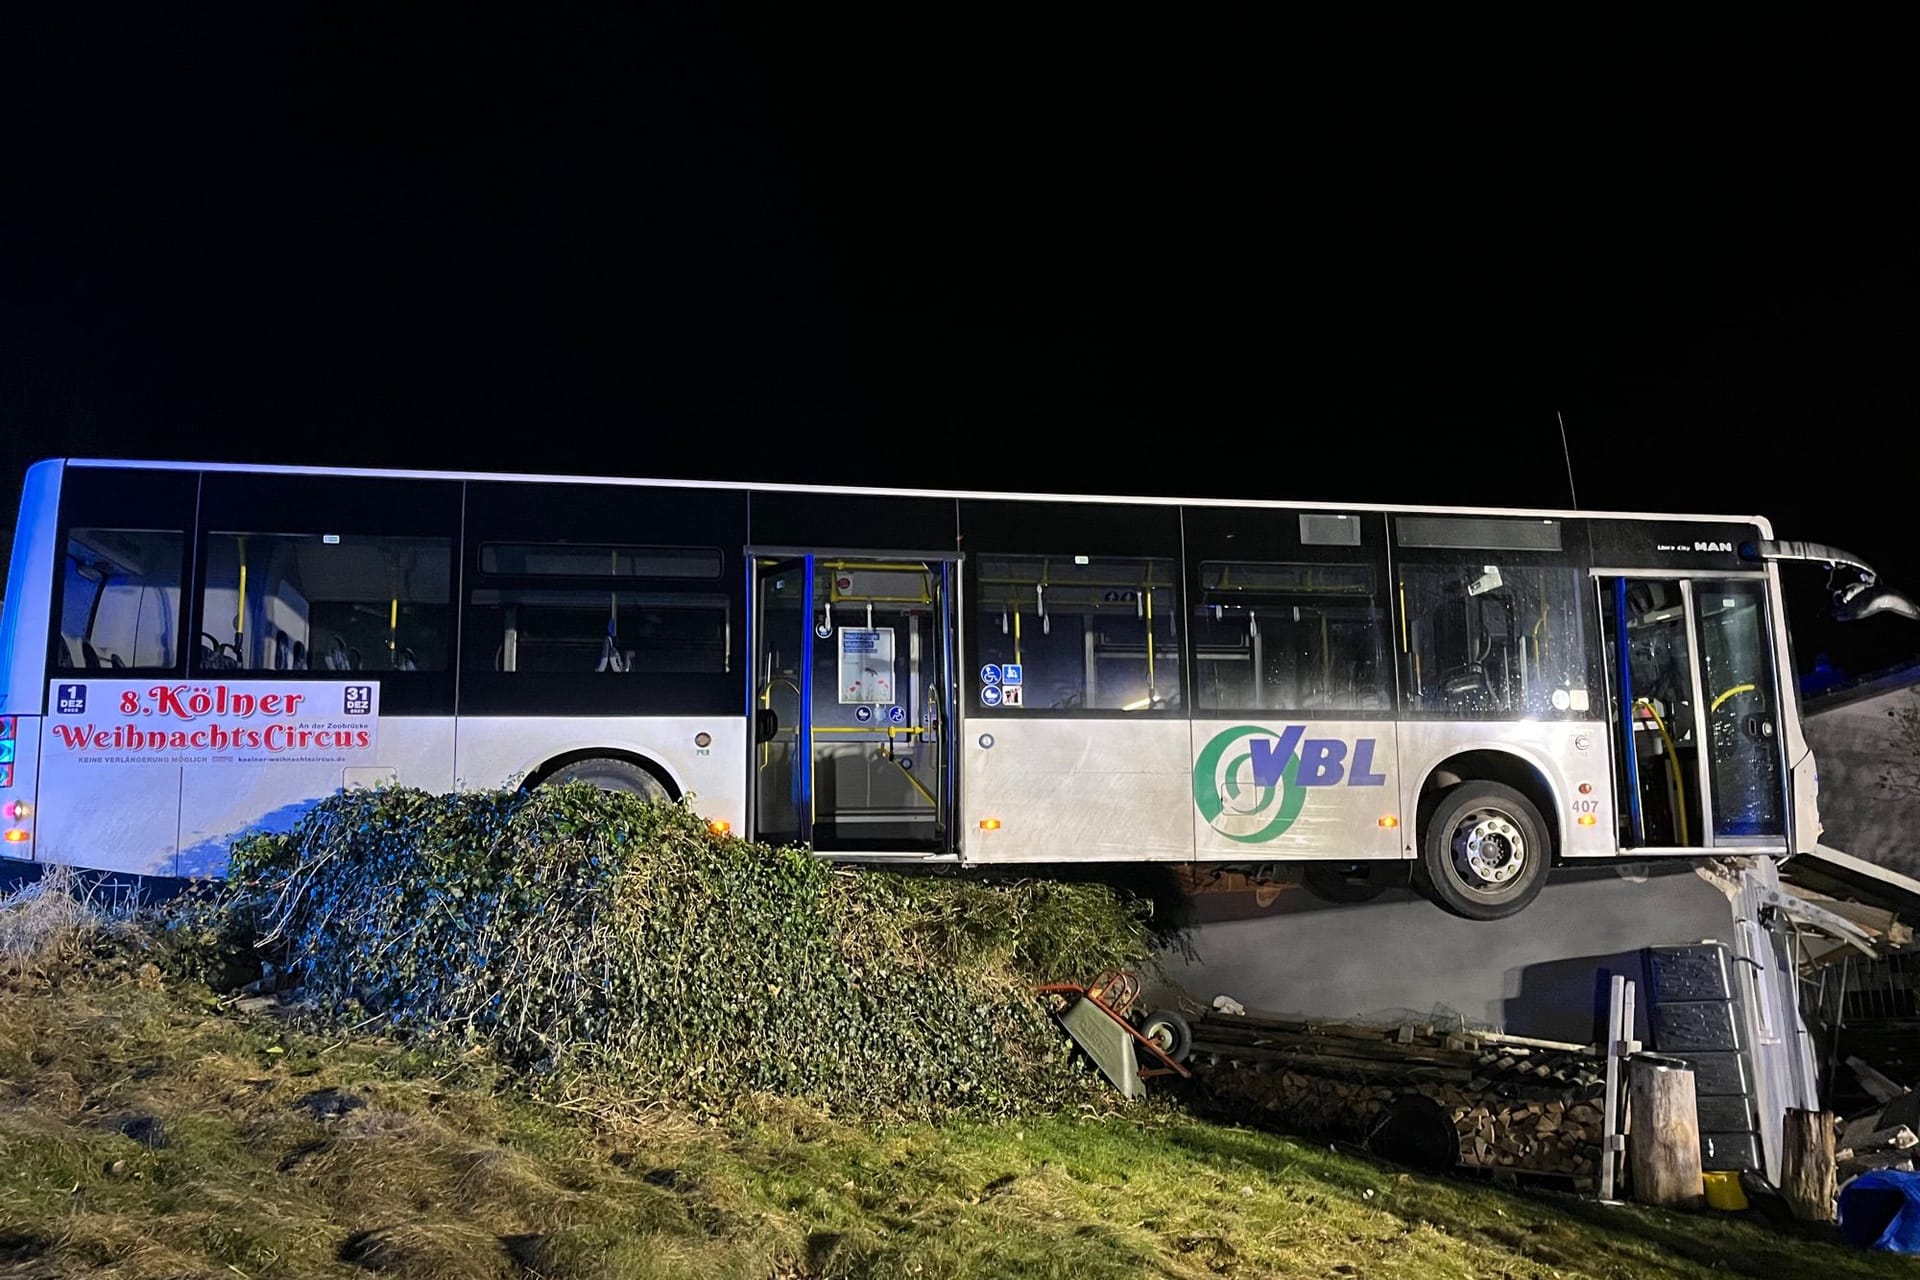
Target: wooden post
x,y
1807,1171
1663,1133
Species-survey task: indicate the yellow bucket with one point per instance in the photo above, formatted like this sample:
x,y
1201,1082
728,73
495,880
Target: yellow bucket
x,y
1723,1190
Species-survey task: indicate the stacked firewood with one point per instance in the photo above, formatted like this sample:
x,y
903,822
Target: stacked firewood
x,y
1550,1136
1516,1104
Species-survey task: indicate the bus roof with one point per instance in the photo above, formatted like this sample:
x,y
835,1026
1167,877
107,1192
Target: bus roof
x,y
1556,513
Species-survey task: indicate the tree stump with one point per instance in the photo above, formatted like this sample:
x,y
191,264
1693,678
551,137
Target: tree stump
x,y
1807,1170
1663,1133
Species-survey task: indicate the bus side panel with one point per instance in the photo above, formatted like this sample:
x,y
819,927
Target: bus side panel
x,y
1345,779
1565,752
1078,790
500,751
104,815
219,802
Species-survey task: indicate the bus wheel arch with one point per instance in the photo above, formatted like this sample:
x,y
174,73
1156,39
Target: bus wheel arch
x,y
610,770
1485,840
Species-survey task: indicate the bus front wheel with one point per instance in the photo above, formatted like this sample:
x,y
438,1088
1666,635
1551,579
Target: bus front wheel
x,y
1485,852
612,775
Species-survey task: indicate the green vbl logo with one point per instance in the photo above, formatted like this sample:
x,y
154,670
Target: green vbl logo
x,y
1251,782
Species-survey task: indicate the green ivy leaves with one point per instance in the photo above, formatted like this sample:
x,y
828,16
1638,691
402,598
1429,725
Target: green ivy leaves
x,y
606,943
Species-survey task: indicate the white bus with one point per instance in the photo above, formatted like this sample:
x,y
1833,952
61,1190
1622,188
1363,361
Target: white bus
x,y
190,651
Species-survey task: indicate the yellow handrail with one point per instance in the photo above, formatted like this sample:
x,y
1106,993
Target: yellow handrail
x,y
1673,763
1737,689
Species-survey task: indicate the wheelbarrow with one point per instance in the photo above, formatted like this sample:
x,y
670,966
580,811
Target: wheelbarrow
x,y
1128,1046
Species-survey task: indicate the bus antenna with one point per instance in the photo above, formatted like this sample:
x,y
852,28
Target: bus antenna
x,y
1567,453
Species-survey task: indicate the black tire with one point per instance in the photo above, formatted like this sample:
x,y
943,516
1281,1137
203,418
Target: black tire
x,y
612,775
1350,881
1485,852
1170,1033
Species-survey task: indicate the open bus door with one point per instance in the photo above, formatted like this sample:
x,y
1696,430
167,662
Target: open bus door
x,y
852,662
1695,713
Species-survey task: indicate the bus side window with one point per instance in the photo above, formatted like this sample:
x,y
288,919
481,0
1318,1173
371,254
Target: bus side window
x,y
1271,635
1494,641
1088,632
352,601
120,600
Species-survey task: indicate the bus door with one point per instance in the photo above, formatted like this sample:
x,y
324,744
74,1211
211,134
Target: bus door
x,y
1694,712
852,662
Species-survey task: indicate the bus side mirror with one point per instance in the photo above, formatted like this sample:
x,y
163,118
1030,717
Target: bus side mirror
x,y
1861,600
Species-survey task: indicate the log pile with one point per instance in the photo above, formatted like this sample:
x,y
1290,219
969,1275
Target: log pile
x,y
1518,1105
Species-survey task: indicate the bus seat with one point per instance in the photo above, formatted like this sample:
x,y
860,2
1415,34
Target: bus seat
x,y
1466,687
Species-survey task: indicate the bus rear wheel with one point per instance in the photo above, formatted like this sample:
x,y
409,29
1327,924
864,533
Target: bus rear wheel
x,y
612,775
1485,852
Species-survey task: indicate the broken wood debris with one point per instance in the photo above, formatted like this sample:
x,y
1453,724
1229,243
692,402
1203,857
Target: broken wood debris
x,y
1517,1104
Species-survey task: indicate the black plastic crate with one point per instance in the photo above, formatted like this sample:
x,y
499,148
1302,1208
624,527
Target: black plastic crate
x,y
1723,1113
1700,972
1704,1024
1718,1074
1730,1151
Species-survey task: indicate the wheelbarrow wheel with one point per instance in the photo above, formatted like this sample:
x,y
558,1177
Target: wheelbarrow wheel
x,y
1169,1033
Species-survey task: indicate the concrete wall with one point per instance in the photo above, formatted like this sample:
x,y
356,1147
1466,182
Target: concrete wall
x,y
1858,741
1544,972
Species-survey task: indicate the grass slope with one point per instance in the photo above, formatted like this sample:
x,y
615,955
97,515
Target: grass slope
x,y
149,1130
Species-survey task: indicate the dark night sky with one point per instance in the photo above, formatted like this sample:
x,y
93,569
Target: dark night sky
x,y
1200,258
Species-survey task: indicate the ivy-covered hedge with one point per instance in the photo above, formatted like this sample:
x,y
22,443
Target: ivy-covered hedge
x,y
594,939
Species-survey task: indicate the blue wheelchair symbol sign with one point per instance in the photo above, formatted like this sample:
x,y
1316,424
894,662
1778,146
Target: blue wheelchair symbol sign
x,y
863,714
990,674
990,695
897,714
1010,674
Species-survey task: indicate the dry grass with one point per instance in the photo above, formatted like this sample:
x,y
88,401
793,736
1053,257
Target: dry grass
x,y
153,1133
149,1134
47,920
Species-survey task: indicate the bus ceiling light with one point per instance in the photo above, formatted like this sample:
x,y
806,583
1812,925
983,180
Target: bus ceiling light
x,y
989,824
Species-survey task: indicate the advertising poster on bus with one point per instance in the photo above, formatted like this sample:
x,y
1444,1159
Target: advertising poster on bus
x,y
130,722
160,777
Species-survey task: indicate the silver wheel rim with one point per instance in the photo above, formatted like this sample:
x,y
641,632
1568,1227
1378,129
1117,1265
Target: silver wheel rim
x,y
1489,850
